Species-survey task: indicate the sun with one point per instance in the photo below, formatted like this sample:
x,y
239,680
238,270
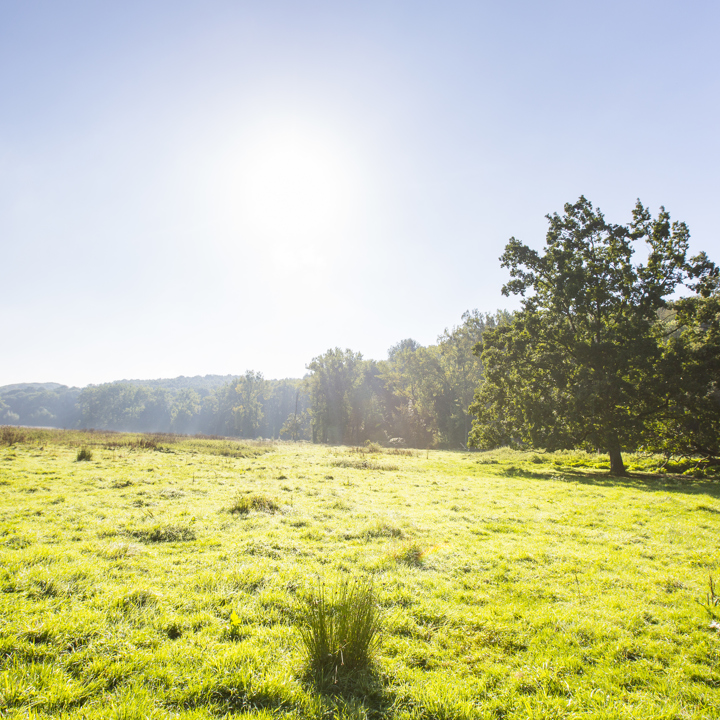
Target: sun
x,y
297,184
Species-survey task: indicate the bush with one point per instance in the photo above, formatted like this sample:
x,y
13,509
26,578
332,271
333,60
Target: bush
x,y
340,631
11,436
84,454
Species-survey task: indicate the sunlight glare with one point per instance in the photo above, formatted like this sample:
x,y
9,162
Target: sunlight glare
x,y
298,188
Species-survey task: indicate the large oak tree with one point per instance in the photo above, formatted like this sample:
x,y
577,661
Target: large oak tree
x,y
582,362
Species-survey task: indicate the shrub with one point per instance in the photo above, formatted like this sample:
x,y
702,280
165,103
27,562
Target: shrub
x,y
139,598
11,436
340,631
84,454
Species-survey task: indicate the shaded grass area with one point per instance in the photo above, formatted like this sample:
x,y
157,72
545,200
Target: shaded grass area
x,y
512,585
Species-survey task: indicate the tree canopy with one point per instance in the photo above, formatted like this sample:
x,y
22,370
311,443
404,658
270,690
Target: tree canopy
x,y
584,362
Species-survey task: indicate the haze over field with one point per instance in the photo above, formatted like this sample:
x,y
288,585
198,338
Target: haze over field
x,y
192,188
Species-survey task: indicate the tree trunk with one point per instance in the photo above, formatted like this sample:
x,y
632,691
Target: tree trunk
x,y
617,467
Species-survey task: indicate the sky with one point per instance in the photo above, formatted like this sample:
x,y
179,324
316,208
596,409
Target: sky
x,y
191,188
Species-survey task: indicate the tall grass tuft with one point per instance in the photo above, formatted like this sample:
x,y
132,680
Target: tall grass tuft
x,y
712,601
84,454
340,630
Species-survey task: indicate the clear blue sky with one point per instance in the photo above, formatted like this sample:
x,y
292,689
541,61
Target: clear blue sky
x,y
211,187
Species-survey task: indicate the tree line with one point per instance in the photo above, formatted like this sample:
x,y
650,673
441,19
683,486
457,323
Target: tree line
x,y
606,353
419,393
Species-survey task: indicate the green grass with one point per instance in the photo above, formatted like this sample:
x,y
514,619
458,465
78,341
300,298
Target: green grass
x,y
513,585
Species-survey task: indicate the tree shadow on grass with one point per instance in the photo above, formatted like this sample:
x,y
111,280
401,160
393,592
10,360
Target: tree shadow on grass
x,y
646,482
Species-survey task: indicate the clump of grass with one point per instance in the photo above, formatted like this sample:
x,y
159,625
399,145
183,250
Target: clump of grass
x,y
358,464
17,542
340,630
383,528
146,443
243,504
174,630
164,533
139,598
84,454
368,448
44,587
227,447
401,451
118,550
512,471
410,553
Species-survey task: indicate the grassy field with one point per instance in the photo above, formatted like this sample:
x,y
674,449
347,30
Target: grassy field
x,y
163,577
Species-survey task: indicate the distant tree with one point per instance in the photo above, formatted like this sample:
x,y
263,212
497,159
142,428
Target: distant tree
x,y
247,394
461,370
285,399
185,411
411,380
125,407
581,363
297,426
333,380
407,345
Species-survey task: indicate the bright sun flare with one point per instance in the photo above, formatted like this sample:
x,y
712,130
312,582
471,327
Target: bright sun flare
x,y
296,185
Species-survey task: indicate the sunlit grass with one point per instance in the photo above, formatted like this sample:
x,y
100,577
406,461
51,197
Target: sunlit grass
x,y
512,584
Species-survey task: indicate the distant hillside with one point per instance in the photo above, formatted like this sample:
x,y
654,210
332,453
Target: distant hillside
x,y
196,382
4,389
39,404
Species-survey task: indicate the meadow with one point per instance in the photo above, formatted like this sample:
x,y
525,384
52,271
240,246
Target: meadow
x,y
163,577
